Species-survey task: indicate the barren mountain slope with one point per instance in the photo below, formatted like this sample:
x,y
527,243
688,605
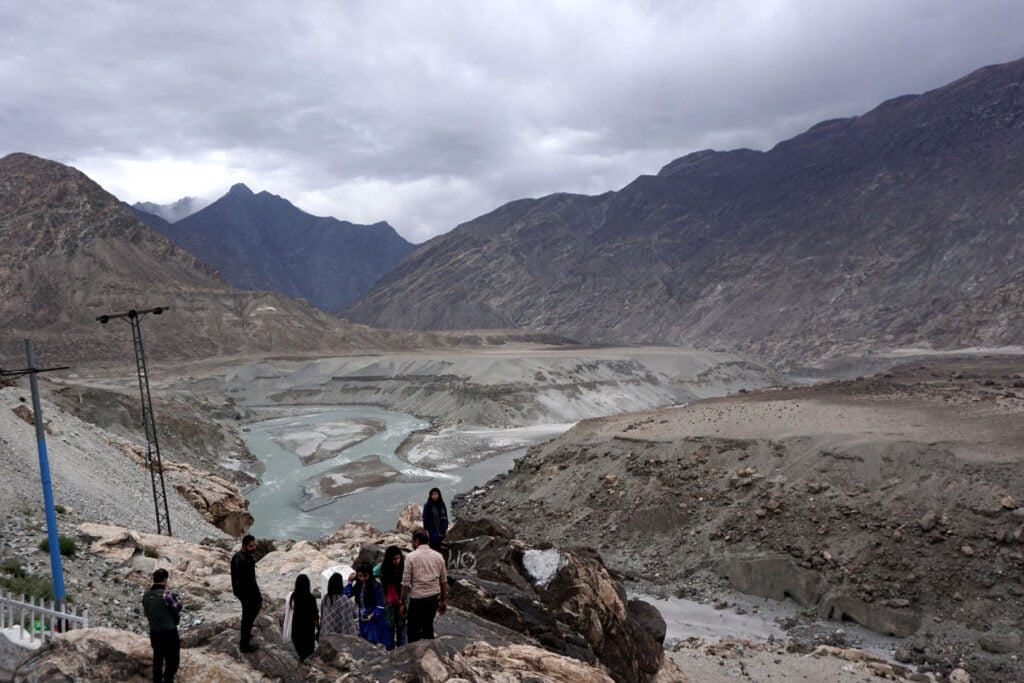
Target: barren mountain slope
x,y
70,251
897,227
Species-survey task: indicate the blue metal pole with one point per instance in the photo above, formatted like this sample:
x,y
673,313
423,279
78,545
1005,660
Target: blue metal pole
x,y
56,568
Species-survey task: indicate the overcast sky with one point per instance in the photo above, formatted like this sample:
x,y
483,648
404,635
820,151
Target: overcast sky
x,y
427,114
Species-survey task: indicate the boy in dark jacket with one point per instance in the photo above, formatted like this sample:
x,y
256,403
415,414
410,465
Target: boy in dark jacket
x,y
163,610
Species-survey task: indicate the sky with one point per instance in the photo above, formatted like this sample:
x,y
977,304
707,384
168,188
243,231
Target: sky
x,y
429,113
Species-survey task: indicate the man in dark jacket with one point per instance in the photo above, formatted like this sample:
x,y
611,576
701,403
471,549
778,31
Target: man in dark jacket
x,y
163,610
245,588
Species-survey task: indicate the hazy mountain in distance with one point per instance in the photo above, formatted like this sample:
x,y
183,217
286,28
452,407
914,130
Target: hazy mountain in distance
x,y
263,242
70,252
186,206
154,221
899,227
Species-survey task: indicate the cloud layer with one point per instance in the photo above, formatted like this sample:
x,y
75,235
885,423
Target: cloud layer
x,y
428,114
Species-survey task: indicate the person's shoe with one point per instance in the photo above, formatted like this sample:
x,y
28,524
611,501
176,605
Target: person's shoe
x,y
251,647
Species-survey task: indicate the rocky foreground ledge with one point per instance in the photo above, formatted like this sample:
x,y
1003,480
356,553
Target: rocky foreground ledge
x,y
515,613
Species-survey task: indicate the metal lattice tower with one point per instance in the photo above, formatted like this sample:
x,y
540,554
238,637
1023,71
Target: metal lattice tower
x,y
153,461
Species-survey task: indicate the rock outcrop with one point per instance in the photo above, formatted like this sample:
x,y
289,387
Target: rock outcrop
x,y
566,599
568,620
217,499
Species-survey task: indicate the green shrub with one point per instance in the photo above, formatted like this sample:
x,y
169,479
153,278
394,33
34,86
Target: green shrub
x,y
67,544
12,566
59,509
29,585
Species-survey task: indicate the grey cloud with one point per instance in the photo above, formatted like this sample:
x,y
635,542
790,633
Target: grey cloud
x,y
434,112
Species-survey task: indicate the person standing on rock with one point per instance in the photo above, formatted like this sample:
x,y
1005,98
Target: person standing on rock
x,y
301,619
424,587
163,610
245,588
338,614
390,571
369,598
435,518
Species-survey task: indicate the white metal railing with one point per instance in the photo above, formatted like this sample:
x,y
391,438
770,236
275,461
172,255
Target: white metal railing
x,y
36,620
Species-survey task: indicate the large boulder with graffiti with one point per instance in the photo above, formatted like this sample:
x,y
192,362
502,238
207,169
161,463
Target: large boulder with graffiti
x,y
565,599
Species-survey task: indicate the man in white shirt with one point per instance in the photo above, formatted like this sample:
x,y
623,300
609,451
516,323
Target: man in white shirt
x,y
424,585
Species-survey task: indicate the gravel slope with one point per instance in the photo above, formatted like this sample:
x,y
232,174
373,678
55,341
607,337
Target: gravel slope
x,y
89,471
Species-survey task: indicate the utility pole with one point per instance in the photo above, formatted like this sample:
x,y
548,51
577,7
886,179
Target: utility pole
x,y
56,567
156,470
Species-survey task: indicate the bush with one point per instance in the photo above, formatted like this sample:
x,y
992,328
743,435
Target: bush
x,y
29,585
59,509
68,547
12,566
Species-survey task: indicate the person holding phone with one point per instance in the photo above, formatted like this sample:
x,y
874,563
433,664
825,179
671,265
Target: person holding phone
x,y
369,599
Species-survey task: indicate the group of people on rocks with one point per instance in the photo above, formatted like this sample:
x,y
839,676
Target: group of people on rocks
x,y
392,603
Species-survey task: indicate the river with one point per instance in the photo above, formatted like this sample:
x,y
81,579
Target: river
x,y
275,502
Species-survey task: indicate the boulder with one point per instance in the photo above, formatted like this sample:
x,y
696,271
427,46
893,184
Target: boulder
x,y
410,519
565,599
352,536
455,658
193,566
483,526
467,648
584,594
1000,643
106,654
648,616
218,500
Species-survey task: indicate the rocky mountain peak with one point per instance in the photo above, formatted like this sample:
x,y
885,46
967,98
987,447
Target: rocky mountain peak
x,y
264,242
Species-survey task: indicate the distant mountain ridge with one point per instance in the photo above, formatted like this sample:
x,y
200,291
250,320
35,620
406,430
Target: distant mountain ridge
x,y
70,251
263,242
186,206
899,227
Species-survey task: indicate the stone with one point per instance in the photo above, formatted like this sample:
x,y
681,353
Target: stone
x,y
1000,643
959,676
927,522
217,500
649,617
106,654
483,526
574,613
410,519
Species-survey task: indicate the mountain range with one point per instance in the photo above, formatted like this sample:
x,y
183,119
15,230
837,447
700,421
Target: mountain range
x,y
259,241
899,227
71,252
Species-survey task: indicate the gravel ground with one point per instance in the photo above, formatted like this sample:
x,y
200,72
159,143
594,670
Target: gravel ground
x,y
89,471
